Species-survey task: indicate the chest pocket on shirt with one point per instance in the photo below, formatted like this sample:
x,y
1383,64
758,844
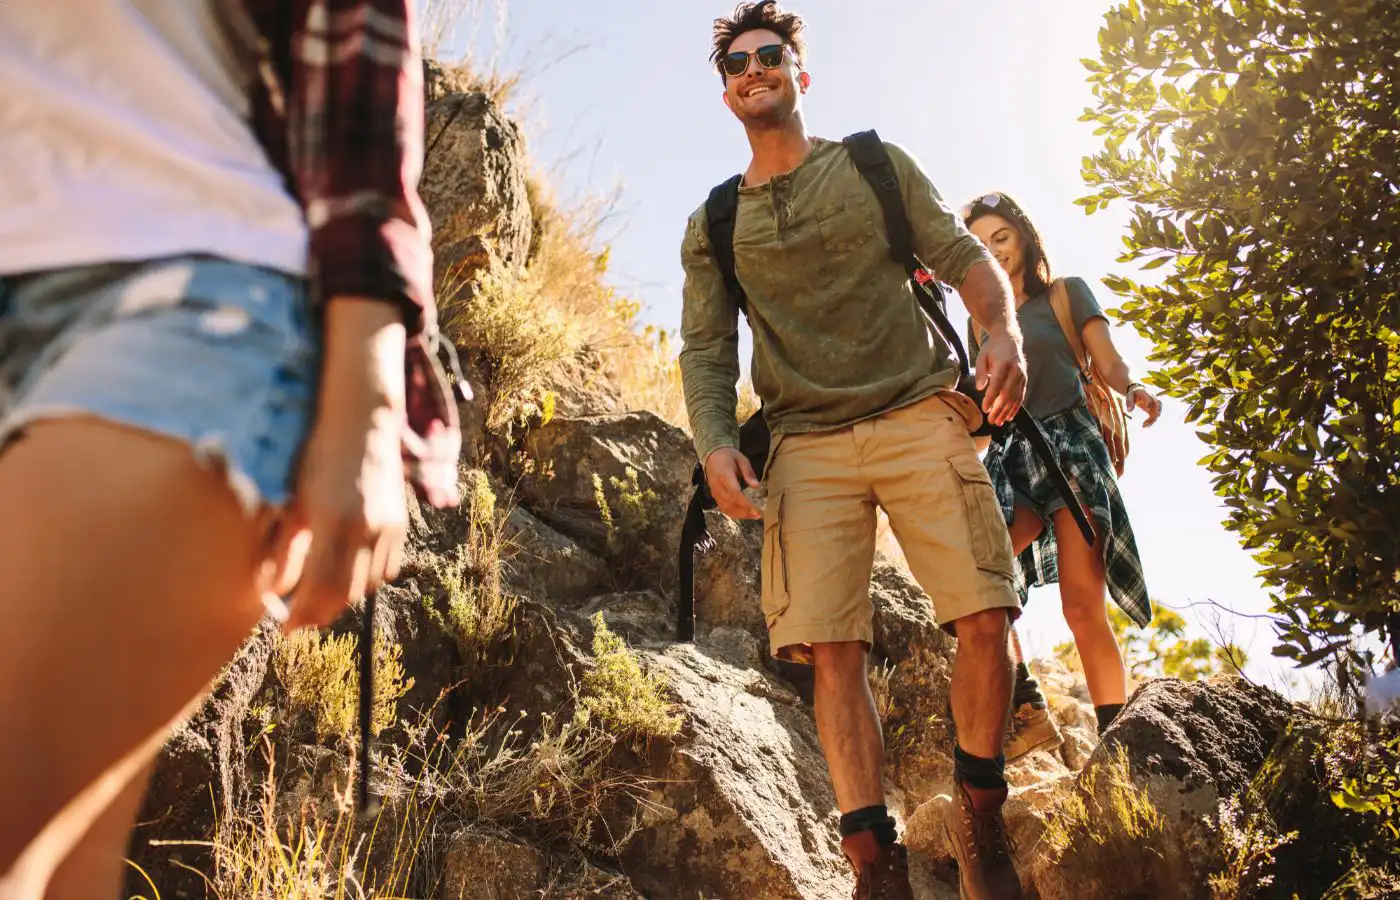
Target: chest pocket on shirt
x,y
845,226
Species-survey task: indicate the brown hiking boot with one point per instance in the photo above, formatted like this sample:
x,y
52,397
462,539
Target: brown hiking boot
x,y
978,835
882,872
1030,729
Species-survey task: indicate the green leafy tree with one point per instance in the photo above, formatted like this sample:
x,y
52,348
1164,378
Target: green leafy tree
x,y
1257,141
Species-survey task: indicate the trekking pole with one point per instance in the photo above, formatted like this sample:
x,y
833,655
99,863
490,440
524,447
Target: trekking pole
x,y
366,703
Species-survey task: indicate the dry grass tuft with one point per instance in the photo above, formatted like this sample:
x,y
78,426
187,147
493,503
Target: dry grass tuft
x,y
321,676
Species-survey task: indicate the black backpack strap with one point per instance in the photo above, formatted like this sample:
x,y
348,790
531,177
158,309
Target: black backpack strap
x,y
721,212
873,162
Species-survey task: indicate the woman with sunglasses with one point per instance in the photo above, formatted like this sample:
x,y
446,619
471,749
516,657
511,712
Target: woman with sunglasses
x,y
1043,534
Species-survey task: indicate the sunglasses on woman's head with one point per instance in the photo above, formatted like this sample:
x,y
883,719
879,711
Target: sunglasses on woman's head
x,y
992,201
770,56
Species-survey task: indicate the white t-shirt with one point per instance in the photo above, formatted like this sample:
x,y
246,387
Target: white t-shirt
x,y
124,135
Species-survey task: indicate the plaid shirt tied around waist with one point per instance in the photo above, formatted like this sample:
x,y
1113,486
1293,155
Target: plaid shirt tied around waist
x,y
1015,469
337,104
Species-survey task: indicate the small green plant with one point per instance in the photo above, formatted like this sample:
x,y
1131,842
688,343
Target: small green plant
x,y
1363,769
619,696
321,676
474,609
1248,840
630,517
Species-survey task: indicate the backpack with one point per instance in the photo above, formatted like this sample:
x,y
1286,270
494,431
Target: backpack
x,y
1107,411
873,162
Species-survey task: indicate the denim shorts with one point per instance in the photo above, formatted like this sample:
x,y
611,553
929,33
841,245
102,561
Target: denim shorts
x,y
219,355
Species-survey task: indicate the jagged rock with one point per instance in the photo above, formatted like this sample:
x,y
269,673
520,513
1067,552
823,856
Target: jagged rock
x,y
917,731
582,387
571,453
1077,748
743,807
547,662
1188,745
576,449
440,80
1036,768
544,564
727,576
473,184
485,867
639,617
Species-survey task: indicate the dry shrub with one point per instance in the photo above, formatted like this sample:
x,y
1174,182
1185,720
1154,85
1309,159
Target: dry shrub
x,y
556,785
264,854
1248,840
880,677
1106,824
320,674
569,264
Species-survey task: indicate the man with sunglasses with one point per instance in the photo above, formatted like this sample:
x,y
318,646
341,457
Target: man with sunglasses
x,y
863,413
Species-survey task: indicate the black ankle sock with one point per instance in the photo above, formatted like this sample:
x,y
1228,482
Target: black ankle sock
x,y
1027,689
979,772
1106,714
872,818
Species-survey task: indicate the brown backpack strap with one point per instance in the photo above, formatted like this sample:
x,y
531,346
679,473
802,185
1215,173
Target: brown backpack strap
x,y
1059,303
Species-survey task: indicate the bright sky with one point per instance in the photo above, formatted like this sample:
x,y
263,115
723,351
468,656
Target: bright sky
x,y
986,95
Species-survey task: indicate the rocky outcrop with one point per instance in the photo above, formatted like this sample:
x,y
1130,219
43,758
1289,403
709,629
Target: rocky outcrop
x,y
1144,806
473,184
744,807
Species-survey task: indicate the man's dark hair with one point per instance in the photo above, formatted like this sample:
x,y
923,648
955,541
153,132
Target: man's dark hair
x,y
1036,264
764,15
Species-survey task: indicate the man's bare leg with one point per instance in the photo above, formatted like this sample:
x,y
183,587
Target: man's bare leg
x,y
849,725
130,579
982,682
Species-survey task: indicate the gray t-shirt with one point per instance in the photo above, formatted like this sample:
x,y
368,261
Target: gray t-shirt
x,y
1052,376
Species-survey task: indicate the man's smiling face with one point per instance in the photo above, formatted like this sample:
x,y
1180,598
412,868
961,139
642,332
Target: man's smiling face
x,y
759,95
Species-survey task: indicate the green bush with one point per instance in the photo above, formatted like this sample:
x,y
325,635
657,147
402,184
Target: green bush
x,y
619,697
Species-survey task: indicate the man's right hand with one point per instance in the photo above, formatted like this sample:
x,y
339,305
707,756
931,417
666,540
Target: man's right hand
x,y
728,471
1001,374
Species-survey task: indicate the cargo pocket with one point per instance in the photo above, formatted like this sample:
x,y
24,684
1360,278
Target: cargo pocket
x,y
775,563
987,534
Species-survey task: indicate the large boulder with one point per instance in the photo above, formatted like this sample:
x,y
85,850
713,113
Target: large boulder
x,y
728,575
743,806
640,464
918,655
473,185
546,565
1146,802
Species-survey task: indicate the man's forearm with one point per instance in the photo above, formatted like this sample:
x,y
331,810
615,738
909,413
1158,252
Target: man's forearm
x,y
987,295
709,377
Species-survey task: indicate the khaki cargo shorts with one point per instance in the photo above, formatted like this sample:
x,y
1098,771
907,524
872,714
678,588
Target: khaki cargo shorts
x,y
917,463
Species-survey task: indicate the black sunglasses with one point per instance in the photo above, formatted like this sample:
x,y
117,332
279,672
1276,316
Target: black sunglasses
x,y
770,56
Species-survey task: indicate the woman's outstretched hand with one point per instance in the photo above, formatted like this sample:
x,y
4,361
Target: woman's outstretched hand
x,y
1140,398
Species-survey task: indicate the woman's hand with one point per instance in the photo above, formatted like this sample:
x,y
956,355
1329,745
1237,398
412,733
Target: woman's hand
x,y
1139,398
344,533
